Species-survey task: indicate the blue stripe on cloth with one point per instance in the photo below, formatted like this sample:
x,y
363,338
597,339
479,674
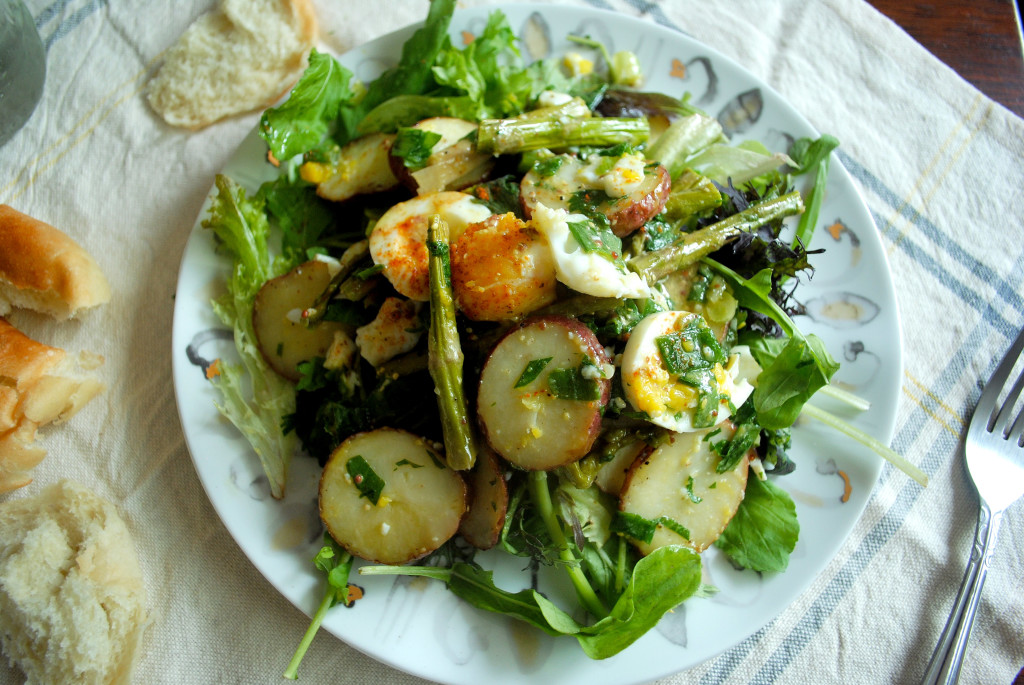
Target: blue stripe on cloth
x,y
67,25
50,12
928,229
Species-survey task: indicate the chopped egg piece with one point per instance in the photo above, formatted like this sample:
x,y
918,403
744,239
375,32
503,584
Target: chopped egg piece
x,y
587,272
651,387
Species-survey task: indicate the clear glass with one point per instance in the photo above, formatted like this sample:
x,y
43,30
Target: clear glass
x,y
22,67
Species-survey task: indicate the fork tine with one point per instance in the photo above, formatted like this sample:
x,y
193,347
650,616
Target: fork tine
x,y
1016,432
984,410
1005,412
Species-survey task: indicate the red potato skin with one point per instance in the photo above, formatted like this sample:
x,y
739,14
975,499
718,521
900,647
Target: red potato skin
x,y
599,355
484,519
625,214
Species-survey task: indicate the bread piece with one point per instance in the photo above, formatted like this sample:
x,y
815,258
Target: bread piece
x,y
72,601
242,56
39,385
43,269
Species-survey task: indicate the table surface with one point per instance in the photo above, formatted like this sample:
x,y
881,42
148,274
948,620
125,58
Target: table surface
x,y
980,39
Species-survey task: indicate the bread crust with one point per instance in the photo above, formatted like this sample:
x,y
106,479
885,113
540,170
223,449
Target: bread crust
x,y
37,388
42,268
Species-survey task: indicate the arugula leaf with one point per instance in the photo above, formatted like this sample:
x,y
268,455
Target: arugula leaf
x,y
304,218
812,155
764,531
791,373
412,76
660,582
792,370
302,120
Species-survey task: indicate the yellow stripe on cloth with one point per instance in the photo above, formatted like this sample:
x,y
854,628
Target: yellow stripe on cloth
x,y
955,427
35,167
939,167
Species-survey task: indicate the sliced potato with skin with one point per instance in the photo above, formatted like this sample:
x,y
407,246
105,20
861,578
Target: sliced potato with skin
x,y
488,502
662,480
283,339
363,167
612,474
419,508
453,163
530,426
636,191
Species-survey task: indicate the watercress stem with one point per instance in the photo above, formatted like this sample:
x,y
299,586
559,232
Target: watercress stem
x,y
860,436
541,497
326,602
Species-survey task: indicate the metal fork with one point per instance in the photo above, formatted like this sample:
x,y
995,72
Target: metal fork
x,y
995,464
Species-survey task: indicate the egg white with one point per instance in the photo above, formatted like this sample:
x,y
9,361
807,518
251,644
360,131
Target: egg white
x,y
585,272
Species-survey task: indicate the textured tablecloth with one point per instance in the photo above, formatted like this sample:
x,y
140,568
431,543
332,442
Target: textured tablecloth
x,y
940,167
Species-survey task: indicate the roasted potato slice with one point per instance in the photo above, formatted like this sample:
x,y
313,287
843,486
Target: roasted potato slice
x,y
283,339
612,474
386,496
678,480
502,269
629,191
363,166
542,391
488,501
453,163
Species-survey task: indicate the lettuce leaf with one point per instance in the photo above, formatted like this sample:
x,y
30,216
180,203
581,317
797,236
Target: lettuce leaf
x,y
302,121
764,531
253,397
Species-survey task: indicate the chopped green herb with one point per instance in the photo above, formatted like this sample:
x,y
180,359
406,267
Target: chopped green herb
x,y
369,271
532,370
570,384
437,462
597,239
640,528
438,248
414,145
548,166
366,480
690,493
406,462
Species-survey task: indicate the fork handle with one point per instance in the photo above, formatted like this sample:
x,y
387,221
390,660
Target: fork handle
x,y
944,667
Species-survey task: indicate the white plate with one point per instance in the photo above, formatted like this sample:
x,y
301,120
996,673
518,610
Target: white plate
x,y
416,625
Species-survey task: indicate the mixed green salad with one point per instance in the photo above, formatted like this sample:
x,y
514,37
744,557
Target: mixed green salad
x,y
528,307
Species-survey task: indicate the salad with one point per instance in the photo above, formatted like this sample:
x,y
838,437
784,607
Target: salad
x,y
528,308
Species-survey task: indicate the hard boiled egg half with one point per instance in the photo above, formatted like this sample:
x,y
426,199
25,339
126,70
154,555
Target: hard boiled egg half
x,y
675,371
586,269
